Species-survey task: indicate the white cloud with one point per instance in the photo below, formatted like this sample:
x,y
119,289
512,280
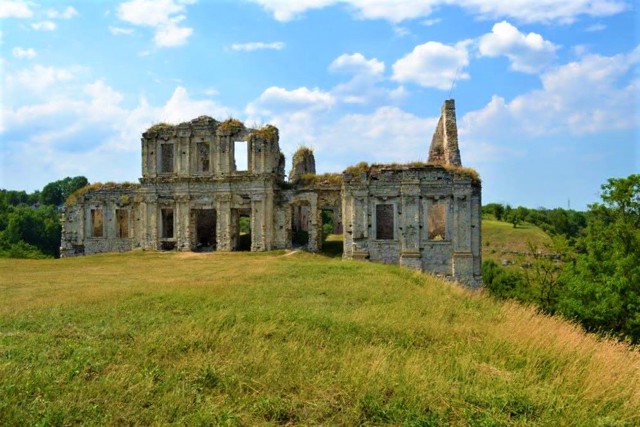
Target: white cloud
x,y
39,77
356,64
20,52
527,53
120,31
44,26
433,64
430,22
595,27
588,96
277,99
171,35
563,11
395,11
68,13
363,86
90,134
15,9
257,46
164,16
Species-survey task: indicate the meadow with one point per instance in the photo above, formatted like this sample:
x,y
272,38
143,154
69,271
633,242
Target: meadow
x,y
150,338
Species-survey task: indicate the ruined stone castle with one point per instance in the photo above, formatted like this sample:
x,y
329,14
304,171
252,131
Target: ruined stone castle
x,y
220,186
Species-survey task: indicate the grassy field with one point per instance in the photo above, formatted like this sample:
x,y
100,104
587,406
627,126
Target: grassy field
x,y
501,239
271,338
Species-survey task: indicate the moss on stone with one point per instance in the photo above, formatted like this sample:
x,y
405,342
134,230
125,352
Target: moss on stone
x,y
99,186
158,127
326,179
231,126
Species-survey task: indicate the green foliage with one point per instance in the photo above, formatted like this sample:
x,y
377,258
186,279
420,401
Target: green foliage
x,y
504,283
590,274
55,193
30,223
604,282
568,223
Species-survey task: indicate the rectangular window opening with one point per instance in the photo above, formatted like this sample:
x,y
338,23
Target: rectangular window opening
x,y
166,158
203,157
438,221
385,222
97,222
122,223
167,223
241,155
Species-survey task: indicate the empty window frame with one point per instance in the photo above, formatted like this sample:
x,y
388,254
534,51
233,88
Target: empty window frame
x,y
437,219
97,223
203,156
167,223
122,223
241,155
385,222
166,158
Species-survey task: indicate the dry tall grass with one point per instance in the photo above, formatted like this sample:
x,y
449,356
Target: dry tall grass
x,y
250,339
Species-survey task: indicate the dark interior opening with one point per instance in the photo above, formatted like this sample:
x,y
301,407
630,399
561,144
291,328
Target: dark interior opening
x,y
205,230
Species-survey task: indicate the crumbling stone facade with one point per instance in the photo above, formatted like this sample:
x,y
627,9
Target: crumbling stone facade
x,y
208,185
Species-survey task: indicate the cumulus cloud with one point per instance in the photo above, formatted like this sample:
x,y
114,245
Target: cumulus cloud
x,y
68,13
356,63
120,31
277,99
39,78
44,26
164,16
527,53
251,46
91,133
15,9
433,64
563,105
395,11
366,74
20,52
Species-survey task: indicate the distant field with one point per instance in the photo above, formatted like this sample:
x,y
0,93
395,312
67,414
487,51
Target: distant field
x,y
271,338
501,239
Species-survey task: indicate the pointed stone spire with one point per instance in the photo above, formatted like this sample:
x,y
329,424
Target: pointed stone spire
x,y
444,144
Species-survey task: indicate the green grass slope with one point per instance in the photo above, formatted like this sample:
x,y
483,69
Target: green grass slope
x,y
268,339
500,239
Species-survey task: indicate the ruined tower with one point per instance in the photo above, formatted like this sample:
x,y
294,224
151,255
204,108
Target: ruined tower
x,y
444,144
304,163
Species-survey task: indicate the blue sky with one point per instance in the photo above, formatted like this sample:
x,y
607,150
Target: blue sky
x,y
547,91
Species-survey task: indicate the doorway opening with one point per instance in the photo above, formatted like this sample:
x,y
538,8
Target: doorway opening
x,y
300,224
205,228
241,229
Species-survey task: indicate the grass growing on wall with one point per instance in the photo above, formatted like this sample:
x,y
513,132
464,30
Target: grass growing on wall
x,y
268,338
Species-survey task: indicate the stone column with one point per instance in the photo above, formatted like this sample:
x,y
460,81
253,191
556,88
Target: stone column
x,y
410,225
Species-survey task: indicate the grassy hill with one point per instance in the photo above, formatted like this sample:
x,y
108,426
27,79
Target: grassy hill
x,y
500,240
272,338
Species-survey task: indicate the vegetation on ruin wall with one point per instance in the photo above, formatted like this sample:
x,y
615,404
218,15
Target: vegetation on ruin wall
x,y
159,127
230,126
263,339
265,133
301,153
329,179
364,167
99,186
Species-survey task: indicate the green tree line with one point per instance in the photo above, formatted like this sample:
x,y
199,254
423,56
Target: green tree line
x,y
591,273
30,222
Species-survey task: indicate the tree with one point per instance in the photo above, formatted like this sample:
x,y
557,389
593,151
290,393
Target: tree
x,y
55,193
516,216
604,285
